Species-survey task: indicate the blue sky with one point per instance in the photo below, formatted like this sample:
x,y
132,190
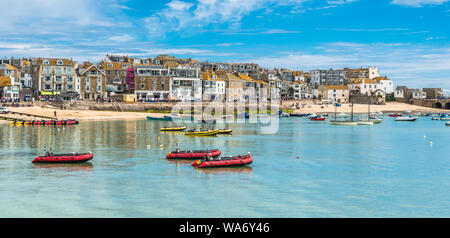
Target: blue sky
x,y
407,39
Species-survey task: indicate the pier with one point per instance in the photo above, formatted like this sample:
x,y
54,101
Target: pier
x,y
431,103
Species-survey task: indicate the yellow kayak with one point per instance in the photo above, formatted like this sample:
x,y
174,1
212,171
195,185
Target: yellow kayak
x,y
19,123
180,128
225,131
202,133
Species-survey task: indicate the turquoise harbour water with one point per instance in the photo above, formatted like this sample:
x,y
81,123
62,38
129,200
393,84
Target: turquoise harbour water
x,y
385,170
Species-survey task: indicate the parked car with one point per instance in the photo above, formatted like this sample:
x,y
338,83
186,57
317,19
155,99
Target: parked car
x,y
4,110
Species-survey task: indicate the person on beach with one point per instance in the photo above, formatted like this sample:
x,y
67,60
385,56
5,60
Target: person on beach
x,y
55,113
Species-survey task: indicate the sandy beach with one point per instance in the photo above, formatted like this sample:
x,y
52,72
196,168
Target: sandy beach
x,y
84,115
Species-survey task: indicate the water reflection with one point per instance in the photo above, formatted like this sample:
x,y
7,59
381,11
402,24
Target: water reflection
x,y
391,164
244,169
88,166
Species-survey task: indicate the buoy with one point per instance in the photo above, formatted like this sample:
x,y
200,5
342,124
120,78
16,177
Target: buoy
x,y
298,157
424,136
431,142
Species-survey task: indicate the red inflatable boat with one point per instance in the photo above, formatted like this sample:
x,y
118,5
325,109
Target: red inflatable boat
x,y
64,158
193,154
224,161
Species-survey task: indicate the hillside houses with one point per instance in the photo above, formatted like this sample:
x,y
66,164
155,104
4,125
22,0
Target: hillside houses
x,y
165,78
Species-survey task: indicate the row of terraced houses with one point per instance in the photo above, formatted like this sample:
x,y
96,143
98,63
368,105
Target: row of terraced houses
x,y
169,78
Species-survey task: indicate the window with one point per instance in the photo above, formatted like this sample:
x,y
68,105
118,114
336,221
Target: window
x,y
88,80
142,86
59,62
46,62
88,88
99,80
58,87
110,65
99,88
47,87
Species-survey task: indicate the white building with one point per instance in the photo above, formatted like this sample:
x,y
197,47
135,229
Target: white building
x,y
373,72
335,93
385,84
418,94
364,86
213,87
186,83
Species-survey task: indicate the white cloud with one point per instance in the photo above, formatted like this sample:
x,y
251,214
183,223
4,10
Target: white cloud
x,y
418,3
121,38
21,14
413,65
186,17
339,2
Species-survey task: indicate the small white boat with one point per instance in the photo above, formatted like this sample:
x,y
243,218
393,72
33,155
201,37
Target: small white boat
x,y
447,123
312,115
376,121
284,114
344,123
365,122
407,118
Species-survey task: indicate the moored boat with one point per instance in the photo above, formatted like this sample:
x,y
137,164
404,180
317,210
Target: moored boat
x,y
159,118
224,161
193,154
281,113
317,118
407,118
447,123
297,114
395,115
225,131
179,128
202,133
64,158
364,122
376,120
343,123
